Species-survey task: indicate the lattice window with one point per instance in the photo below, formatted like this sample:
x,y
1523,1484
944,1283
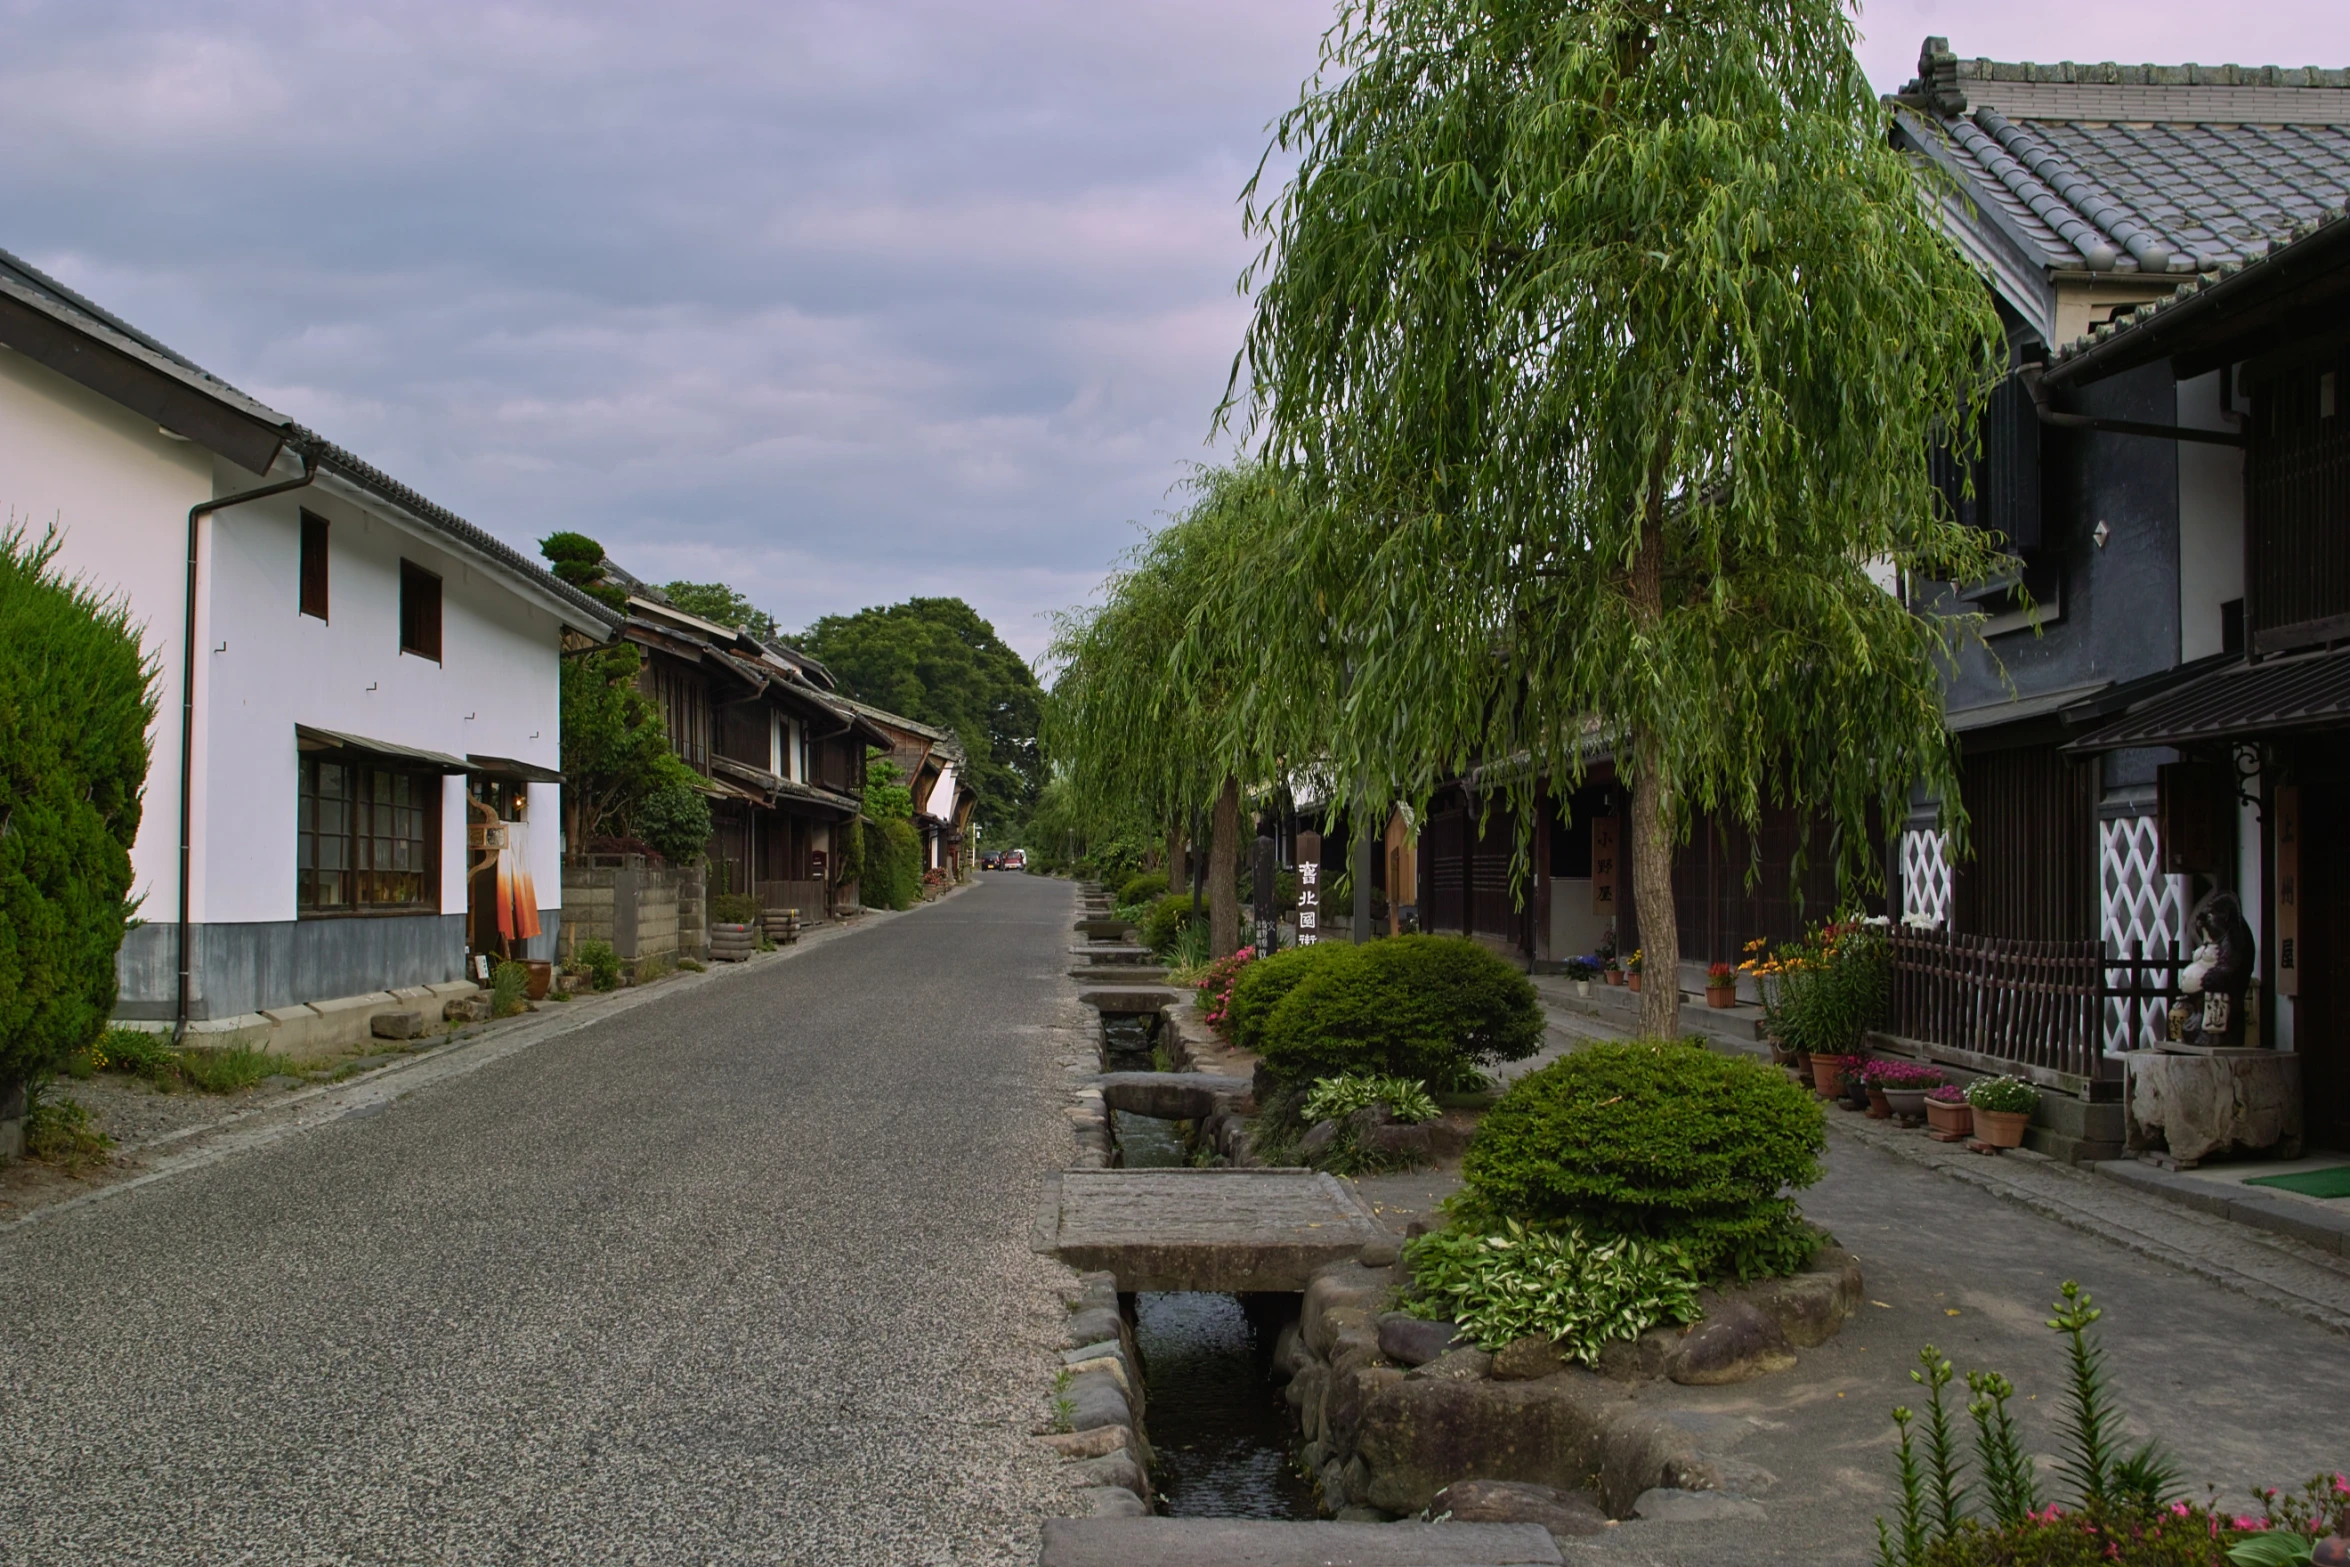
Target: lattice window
x,y
2140,904
1925,877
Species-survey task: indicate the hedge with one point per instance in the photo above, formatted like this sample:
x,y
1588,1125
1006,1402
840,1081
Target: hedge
x,y
1428,1007
891,875
1666,1141
76,698
1165,918
1263,983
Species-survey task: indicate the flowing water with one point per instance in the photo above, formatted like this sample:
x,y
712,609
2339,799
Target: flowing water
x,y
1219,1427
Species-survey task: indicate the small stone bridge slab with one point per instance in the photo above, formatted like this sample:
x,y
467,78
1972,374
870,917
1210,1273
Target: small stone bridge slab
x,y
1237,1230
1126,1002
1106,952
1251,1542
1104,927
1177,1096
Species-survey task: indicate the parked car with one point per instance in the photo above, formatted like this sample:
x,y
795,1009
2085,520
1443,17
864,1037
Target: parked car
x,y
1015,859
990,860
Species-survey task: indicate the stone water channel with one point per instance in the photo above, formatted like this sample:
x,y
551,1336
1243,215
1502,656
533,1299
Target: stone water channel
x,y
1221,1433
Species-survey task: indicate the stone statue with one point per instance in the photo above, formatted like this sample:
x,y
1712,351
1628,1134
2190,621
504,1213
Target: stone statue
x,y
2210,1009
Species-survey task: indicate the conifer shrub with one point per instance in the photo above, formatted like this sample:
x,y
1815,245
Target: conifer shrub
x,y
1261,986
76,699
1660,1140
1429,1007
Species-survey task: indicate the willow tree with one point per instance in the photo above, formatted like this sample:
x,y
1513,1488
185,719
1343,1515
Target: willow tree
x,y
1613,339
1154,709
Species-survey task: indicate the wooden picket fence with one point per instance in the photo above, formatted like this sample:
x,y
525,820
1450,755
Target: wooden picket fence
x,y
2034,1003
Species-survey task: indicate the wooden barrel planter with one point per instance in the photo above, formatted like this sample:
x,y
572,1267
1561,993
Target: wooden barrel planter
x,y
782,926
731,943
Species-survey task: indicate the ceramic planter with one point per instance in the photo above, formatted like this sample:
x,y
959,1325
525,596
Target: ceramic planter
x,y
2002,1128
1827,1075
1958,1119
1721,995
1907,1103
1880,1108
542,978
1582,987
1612,976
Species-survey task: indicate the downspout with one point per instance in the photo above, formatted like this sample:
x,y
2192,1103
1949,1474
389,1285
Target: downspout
x,y
2048,415
196,515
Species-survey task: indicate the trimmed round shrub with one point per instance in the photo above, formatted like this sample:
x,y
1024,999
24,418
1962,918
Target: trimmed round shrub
x,y
675,819
1428,1007
1165,919
1148,887
1262,985
1665,1141
76,698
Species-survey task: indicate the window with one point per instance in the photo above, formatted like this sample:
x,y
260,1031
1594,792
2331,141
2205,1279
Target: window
x,y
365,838
314,565
420,612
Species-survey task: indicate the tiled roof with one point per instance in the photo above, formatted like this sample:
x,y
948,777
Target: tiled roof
x,y
2137,319
82,315
2141,168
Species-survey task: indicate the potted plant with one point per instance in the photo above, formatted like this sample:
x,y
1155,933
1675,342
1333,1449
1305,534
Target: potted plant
x,y
1828,1073
1902,1086
2003,1108
1948,1116
1721,986
1613,972
1580,971
1632,970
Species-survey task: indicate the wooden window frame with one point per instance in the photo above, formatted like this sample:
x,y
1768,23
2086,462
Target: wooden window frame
x,y
316,568
420,611
368,797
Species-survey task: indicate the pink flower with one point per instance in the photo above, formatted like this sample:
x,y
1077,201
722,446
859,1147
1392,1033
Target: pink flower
x,y
2250,1525
2178,1509
2342,1485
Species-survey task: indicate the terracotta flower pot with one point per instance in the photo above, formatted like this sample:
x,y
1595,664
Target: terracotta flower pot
x,y
1943,1116
1612,976
1721,995
2002,1128
1879,1108
1827,1074
1633,980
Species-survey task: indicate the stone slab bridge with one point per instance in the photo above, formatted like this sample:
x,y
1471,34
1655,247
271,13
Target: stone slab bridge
x,y
1241,1231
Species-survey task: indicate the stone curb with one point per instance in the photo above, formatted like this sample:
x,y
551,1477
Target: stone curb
x,y
2310,1226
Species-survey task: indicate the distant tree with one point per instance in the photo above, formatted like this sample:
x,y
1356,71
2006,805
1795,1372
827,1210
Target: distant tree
x,y
76,698
935,660
723,606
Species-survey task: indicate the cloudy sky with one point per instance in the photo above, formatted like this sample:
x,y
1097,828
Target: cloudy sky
x,y
838,302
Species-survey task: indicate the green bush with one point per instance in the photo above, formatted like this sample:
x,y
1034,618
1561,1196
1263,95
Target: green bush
x,y
734,908
1427,1007
1664,1141
675,819
1147,887
600,963
1504,1284
1261,986
1333,1098
76,701
892,874
509,983
135,1053
1828,990
1166,919
59,1131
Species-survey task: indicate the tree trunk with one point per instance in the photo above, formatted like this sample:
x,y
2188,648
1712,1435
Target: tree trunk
x,y
1652,798
1224,873
1652,890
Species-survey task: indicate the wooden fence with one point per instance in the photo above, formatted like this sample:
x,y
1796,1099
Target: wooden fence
x,y
2035,1003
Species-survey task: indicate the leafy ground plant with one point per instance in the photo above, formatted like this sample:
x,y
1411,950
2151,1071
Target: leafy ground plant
x,y
227,1069
508,985
2127,1506
58,1131
1334,1098
601,963
1557,1282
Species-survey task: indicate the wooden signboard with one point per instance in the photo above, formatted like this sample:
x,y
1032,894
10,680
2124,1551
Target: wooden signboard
x,y
1603,866
2286,810
1309,888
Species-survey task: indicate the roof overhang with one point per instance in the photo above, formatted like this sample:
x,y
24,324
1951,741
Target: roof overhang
x,y
308,739
2275,698
509,768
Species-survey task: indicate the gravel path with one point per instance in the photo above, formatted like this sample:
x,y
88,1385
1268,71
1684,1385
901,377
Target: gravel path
x,y
742,1276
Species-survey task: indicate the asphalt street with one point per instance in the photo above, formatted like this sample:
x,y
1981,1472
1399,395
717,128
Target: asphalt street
x,y
740,1276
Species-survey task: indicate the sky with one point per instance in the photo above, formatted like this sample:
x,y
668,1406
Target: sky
x,y
838,303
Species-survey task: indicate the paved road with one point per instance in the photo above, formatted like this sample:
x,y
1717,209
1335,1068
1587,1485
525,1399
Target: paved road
x,y
742,1276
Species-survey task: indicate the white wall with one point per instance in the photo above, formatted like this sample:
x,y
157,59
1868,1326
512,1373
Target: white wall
x,y
119,490
942,795
2211,519
269,667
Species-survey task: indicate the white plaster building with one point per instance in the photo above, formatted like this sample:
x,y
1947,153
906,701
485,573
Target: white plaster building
x,y
367,672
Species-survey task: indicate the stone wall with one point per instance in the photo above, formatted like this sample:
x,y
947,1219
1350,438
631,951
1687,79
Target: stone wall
x,y
648,911
1096,1425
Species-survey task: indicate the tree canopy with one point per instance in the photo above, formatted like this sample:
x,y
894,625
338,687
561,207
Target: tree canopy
x,y
722,606
1611,338
935,660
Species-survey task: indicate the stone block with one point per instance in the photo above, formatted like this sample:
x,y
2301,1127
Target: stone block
x,y
1528,1359
1666,1504
1734,1343
1111,1501
1408,1341
406,1023
1566,1514
1466,1364
465,1009
2214,1102
1096,1400
1420,1435
1095,1443
1257,1542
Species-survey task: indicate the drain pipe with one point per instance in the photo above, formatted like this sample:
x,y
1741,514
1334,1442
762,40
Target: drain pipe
x,y
196,515
2161,432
